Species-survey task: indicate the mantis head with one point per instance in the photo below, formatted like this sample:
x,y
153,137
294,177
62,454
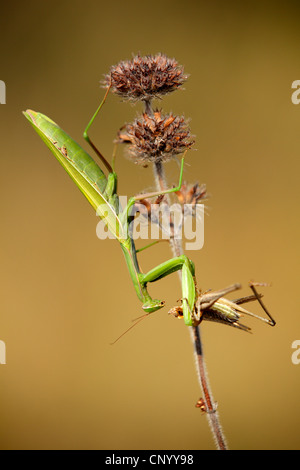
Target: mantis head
x,y
153,305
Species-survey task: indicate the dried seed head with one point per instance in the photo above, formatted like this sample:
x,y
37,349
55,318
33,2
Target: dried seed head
x,y
149,208
156,138
144,78
153,211
191,194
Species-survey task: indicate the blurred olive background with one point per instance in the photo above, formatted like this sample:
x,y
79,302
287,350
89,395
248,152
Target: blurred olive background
x,y
66,295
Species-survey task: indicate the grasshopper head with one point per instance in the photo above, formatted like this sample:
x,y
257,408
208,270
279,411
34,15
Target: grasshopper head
x,y
177,312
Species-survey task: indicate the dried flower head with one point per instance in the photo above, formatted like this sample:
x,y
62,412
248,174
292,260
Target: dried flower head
x,y
159,211
154,211
156,138
144,78
191,194
148,208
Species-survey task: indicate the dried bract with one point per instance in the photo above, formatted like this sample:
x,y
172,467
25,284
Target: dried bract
x,y
144,78
191,194
148,208
156,138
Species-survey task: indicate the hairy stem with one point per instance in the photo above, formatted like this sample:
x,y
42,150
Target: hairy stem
x,y
211,411
177,249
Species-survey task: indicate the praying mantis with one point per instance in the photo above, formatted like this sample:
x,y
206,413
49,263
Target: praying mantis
x,y
101,193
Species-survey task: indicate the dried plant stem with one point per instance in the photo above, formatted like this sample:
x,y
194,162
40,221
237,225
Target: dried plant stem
x,y
148,107
177,249
161,185
211,411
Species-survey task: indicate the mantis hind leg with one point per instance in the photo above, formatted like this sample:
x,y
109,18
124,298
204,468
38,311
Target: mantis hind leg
x,y
87,138
111,187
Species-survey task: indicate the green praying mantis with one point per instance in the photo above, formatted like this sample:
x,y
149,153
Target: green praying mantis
x,y
101,192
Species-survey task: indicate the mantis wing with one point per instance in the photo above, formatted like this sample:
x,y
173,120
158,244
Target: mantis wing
x,y
85,173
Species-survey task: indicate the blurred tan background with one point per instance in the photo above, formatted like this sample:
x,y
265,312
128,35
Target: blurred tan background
x,y
66,295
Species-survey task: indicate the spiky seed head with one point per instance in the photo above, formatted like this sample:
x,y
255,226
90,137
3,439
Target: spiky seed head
x,y
145,78
156,138
191,194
